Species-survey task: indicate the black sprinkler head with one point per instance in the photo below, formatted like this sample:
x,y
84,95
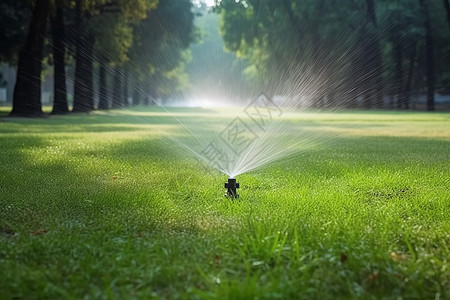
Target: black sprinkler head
x,y
231,187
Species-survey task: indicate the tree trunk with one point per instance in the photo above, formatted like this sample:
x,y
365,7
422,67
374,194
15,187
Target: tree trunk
x,y
84,80
408,84
79,97
354,85
117,87
89,71
398,73
150,91
103,89
429,55
447,9
59,90
125,89
374,95
136,94
27,91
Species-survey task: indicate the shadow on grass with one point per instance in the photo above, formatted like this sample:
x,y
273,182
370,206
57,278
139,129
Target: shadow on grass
x,y
101,124
130,186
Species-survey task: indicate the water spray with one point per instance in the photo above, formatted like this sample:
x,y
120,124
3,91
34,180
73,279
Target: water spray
x,y
231,187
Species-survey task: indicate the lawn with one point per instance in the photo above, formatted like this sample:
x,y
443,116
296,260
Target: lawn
x,y
104,206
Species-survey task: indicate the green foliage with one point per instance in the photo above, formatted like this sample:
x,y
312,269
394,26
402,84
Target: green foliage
x,y
101,206
113,27
304,47
136,9
279,39
14,21
113,38
442,41
159,52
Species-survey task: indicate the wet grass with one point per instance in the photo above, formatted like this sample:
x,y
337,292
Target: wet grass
x,y
103,206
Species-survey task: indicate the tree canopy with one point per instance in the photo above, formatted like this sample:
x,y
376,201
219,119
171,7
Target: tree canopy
x,y
143,42
339,52
349,53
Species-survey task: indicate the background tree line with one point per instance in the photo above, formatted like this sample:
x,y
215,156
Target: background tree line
x,y
365,53
125,46
324,53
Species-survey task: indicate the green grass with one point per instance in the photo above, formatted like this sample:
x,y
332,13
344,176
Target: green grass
x,y
103,206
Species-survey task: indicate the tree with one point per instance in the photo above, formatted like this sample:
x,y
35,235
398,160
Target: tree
x,y
27,91
441,41
117,101
14,17
374,64
159,51
59,48
402,26
447,10
83,87
113,29
296,48
114,37
104,30
102,92
429,54
340,53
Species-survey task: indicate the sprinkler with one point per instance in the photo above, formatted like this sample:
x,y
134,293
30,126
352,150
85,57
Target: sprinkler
x,y
231,187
